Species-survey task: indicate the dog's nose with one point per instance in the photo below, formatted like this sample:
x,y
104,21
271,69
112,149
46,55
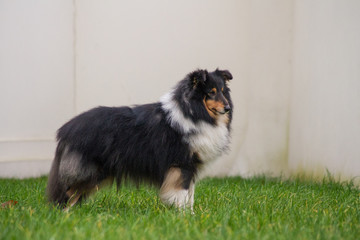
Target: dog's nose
x,y
227,108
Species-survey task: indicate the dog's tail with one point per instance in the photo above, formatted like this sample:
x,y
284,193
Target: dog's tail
x,y
56,191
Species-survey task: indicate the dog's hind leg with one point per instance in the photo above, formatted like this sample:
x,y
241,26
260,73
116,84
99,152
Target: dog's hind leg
x,y
80,192
78,176
178,188
77,194
74,196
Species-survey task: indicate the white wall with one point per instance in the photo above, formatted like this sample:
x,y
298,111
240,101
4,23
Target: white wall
x,y
262,120
325,103
36,76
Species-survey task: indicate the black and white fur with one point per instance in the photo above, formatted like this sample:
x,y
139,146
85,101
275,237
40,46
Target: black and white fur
x,y
164,143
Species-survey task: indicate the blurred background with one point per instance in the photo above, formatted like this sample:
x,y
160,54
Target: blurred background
x,y
296,68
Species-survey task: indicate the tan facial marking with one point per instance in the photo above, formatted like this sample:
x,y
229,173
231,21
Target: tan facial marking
x,y
218,106
211,113
213,106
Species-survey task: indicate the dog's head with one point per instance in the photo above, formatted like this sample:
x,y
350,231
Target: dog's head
x,y
213,89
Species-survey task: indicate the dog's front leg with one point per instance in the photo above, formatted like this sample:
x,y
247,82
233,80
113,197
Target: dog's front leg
x,y
177,189
192,193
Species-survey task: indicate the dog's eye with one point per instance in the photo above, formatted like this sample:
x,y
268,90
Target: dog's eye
x,y
212,93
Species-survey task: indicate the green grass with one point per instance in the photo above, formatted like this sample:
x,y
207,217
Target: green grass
x,y
230,208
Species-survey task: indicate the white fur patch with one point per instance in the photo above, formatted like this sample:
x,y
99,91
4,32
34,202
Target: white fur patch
x,y
205,139
178,198
176,117
209,141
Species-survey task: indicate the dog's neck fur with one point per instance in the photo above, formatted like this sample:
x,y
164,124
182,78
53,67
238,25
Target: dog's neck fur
x,y
205,139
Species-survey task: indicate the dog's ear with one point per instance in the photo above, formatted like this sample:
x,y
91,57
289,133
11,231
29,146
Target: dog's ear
x,y
225,74
197,77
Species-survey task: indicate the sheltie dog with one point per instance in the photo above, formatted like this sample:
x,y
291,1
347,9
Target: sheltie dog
x,y
164,143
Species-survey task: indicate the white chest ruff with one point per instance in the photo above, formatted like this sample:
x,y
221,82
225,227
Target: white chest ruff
x,y
209,141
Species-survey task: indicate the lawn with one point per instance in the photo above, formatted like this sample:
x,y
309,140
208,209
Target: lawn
x,y
229,208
